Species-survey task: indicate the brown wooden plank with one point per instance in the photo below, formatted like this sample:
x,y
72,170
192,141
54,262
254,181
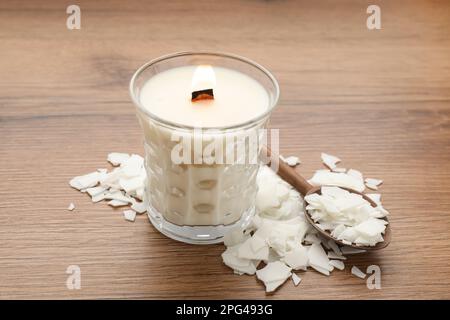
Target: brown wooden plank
x,y
380,100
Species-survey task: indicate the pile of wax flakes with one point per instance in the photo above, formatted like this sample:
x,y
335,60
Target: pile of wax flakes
x,y
279,235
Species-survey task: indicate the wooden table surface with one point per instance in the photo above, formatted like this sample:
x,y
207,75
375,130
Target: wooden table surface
x,y
378,99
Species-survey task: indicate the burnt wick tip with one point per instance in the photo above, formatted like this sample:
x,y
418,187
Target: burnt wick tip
x,y
206,94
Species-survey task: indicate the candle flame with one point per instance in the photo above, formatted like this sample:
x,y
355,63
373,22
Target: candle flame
x,y
203,78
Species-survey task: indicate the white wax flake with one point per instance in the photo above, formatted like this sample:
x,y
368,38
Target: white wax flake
x,y
129,215
291,161
373,183
329,160
71,206
338,264
117,203
139,194
275,198
357,272
335,256
334,247
99,197
324,177
234,237
257,244
318,258
375,197
119,196
266,197
356,174
132,167
117,158
273,275
246,251
297,258
132,184
95,191
312,238
321,270
296,279
340,170
139,207
347,215
86,181
240,265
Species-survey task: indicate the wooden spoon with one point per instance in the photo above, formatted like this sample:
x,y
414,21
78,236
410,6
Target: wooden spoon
x,y
291,176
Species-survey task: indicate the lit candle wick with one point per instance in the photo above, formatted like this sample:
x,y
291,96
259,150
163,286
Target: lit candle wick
x,y
203,83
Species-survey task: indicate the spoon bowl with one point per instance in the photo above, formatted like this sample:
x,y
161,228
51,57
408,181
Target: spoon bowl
x,y
327,234
292,177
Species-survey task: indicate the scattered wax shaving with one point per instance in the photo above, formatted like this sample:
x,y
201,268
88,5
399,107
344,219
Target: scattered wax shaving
x,y
335,256
356,174
373,183
296,279
334,247
357,272
279,212
318,258
133,166
117,158
71,206
124,185
246,251
325,177
132,184
99,197
375,197
86,181
119,196
297,258
130,215
239,265
234,237
338,264
329,160
291,161
117,203
273,275
277,231
96,191
139,207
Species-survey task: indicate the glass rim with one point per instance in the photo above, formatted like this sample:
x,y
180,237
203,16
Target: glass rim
x,y
152,62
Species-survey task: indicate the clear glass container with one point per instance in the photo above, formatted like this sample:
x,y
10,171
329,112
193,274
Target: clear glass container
x,y
199,203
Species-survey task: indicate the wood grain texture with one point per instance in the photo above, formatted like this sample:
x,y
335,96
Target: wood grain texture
x,y
380,100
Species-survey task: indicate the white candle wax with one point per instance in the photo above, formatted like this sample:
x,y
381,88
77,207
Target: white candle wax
x,y
237,98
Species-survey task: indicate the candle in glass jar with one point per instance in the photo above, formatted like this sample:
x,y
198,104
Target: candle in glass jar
x,y
228,99
199,194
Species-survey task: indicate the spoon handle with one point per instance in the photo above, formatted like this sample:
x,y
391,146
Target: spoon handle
x,y
286,172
